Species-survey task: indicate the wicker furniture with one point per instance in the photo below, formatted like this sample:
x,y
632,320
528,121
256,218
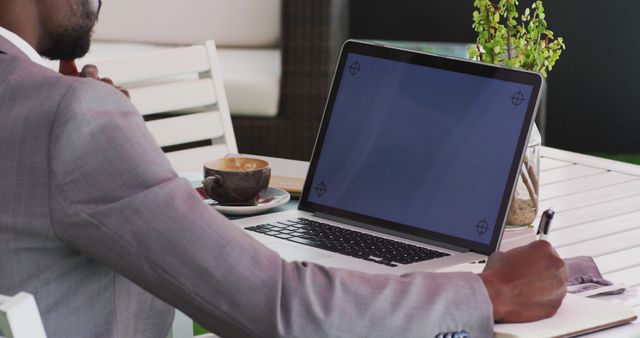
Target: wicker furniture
x,y
312,31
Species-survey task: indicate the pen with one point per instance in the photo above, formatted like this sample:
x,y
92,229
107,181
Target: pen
x,y
545,223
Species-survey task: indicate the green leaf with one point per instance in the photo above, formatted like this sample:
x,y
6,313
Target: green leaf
x,y
530,45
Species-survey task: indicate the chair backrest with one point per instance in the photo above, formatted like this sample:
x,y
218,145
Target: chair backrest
x,y
19,317
180,94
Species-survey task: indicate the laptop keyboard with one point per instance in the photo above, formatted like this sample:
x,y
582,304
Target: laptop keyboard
x,y
347,242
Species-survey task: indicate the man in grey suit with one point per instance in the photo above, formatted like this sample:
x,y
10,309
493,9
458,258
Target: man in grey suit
x,y
96,224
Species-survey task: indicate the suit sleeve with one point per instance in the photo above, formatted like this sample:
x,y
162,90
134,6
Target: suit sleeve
x,y
115,197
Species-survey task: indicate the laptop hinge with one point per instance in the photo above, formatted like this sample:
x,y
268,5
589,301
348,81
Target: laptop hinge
x,y
391,232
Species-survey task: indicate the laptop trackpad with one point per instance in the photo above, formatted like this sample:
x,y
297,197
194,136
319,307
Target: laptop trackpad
x,y
291,253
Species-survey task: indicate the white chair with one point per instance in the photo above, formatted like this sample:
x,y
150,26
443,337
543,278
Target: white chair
x,y
19,317
247,35
179,92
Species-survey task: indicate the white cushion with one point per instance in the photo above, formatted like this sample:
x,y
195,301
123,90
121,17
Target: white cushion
x,y
251,77
231,23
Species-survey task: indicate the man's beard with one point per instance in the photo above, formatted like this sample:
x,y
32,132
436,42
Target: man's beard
x,y
74,40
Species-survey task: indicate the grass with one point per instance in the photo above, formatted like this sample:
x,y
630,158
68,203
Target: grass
x,y
197,329
625,157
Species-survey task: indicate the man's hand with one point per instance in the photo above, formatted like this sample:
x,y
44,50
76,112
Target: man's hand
x,y
525,284
68,67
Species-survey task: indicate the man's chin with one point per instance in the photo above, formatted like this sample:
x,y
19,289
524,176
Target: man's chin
x,y
67,51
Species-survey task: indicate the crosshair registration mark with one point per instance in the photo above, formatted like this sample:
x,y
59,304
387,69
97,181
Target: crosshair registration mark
x,y
517,98
321,189
354,68
482,227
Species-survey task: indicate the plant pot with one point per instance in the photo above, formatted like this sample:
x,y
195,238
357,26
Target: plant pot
x,y
524,203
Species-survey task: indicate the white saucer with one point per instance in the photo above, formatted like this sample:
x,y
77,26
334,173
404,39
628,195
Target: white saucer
x,y
271,198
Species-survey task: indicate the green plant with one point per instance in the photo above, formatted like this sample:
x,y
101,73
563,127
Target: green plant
x,y
503,40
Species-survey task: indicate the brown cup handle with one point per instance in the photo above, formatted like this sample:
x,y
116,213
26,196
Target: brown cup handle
x,y
210,182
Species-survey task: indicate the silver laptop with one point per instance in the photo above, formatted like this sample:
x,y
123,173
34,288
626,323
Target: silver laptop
x,y
414,164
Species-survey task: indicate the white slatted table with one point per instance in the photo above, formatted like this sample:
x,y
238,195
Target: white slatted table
x,y
597,203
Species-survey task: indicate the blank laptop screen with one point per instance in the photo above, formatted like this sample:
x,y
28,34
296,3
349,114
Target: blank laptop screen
x,y
422,147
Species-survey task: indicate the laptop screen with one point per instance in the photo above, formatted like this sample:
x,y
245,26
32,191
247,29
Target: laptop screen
x,y
425,149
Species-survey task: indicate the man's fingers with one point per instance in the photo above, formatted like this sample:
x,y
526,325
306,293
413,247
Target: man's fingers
x,y
68,67
110,82
90,71
525,283
124,91
107,80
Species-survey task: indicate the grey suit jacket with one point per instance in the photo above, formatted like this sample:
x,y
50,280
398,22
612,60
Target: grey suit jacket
x,y
96,224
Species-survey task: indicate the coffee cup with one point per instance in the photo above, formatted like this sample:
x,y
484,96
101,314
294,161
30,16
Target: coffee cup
x,y
236,180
